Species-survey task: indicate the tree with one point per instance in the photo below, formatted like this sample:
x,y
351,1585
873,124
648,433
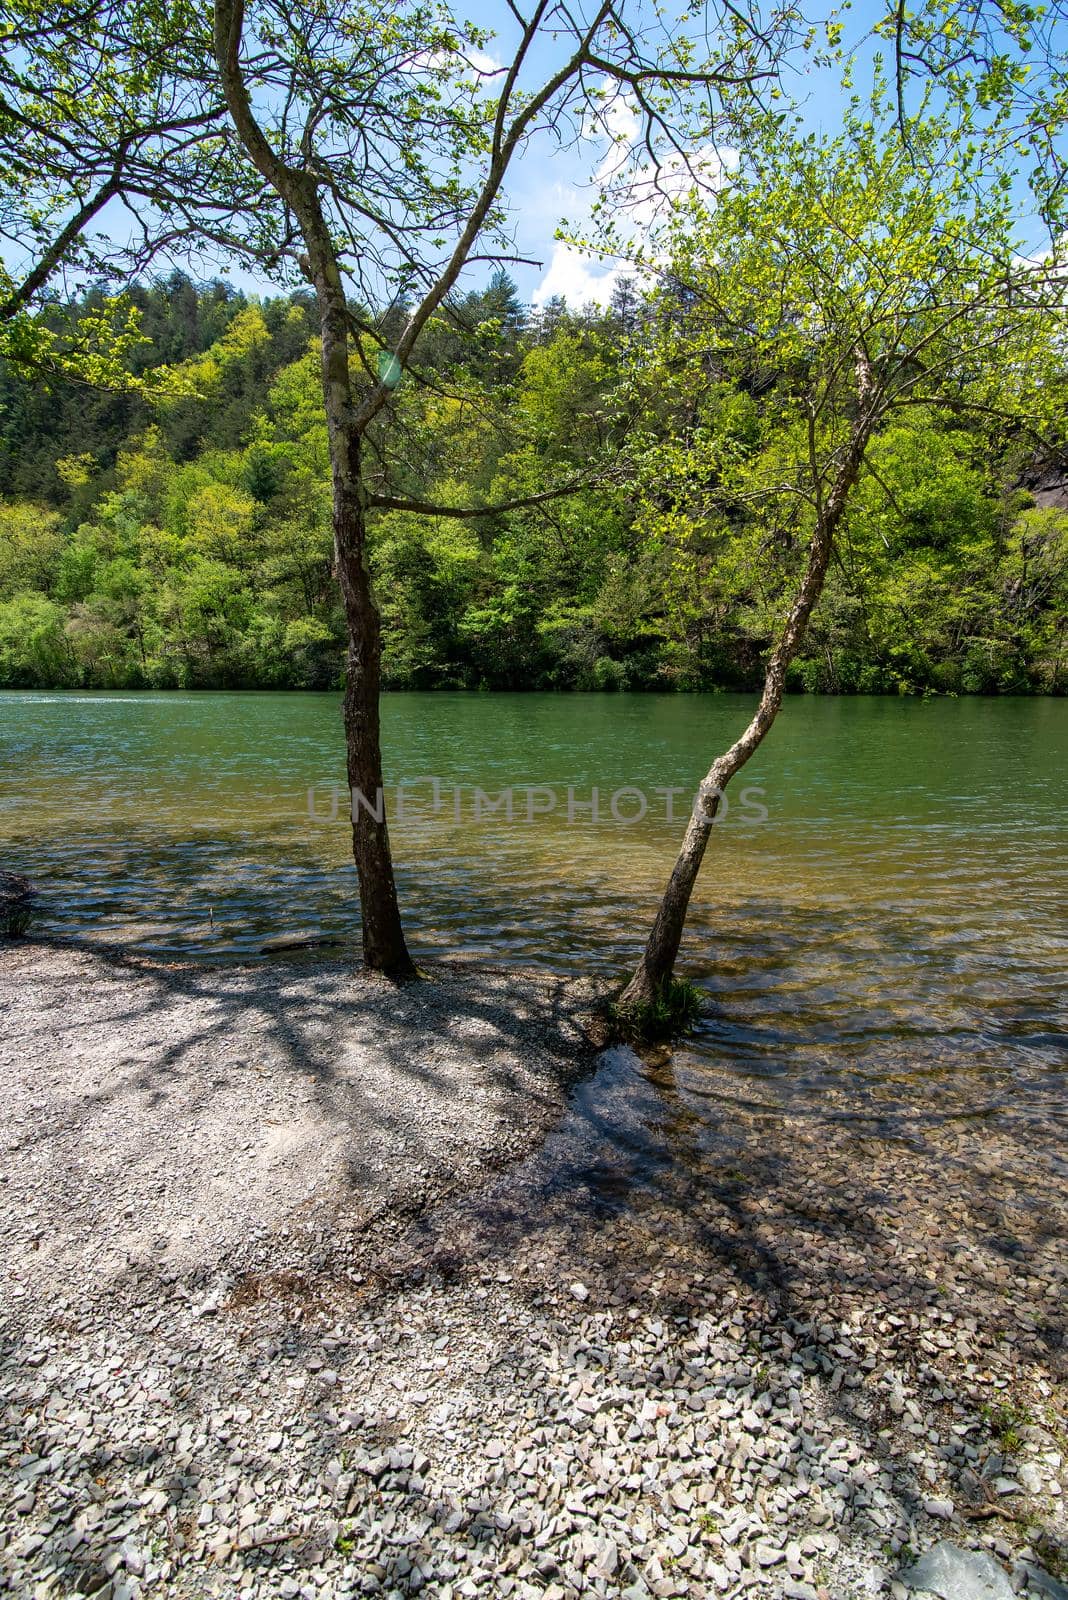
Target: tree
x,y
850,281
1000,66
106,143
388,159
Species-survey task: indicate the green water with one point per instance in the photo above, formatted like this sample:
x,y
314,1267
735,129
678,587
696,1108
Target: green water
x,y
902,903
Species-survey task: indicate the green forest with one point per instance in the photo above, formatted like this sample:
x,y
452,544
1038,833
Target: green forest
x,y
178,535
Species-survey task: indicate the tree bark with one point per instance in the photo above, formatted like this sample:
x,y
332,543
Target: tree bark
x,y
384,947
657,964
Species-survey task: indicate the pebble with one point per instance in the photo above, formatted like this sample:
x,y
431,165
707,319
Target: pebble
x,y
560,1404
768,1555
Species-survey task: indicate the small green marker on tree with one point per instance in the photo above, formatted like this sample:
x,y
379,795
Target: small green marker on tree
x,y
389,369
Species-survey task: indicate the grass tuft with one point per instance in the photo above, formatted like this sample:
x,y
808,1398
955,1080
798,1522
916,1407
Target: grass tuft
x,y
673,1010
15,920
1004,1421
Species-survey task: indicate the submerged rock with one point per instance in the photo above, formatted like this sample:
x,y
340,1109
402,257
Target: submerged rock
x,y
17,895
956,1574
299,939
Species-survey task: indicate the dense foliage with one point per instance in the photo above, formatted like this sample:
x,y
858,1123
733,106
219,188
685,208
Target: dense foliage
x,y
182,539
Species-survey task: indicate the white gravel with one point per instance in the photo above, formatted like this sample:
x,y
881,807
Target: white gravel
x,y
273,1324
176,1117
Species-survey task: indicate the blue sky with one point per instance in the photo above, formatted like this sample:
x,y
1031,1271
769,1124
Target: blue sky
x,y
548,184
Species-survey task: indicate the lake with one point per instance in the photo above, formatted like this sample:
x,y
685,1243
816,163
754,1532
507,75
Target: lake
x,y
887,897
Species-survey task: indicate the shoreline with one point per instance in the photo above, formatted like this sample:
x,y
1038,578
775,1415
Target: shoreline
x,y
526,1335
793,691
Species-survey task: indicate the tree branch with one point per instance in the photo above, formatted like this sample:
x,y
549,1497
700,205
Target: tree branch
x,y
504,146
50,258
423,508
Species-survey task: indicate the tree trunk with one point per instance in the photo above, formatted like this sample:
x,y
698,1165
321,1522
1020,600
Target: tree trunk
x,y
657,964
384,947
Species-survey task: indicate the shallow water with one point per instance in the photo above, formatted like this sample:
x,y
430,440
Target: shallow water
x,y
898,915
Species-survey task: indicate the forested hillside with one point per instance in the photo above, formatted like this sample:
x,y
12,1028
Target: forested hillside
x,y
185,541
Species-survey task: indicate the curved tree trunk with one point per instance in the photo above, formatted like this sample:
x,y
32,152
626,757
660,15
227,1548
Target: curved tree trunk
x,y
657,964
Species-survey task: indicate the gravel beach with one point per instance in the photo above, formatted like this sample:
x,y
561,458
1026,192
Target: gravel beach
x,y
315,1287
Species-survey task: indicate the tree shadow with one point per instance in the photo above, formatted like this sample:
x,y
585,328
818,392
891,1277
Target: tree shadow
x,y
887,1242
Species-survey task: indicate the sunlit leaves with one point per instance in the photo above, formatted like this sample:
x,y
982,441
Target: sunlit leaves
x,y
834,279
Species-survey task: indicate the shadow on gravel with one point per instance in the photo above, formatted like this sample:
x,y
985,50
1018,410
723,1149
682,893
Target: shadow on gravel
x,y
908,1264
685,1233
210,1031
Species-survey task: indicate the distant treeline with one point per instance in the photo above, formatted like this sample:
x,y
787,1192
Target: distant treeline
x,y
185,541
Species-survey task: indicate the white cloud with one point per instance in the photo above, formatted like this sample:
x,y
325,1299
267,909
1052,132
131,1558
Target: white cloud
x,y
617,120
481,63
484,63
578,277
648,191
638,195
